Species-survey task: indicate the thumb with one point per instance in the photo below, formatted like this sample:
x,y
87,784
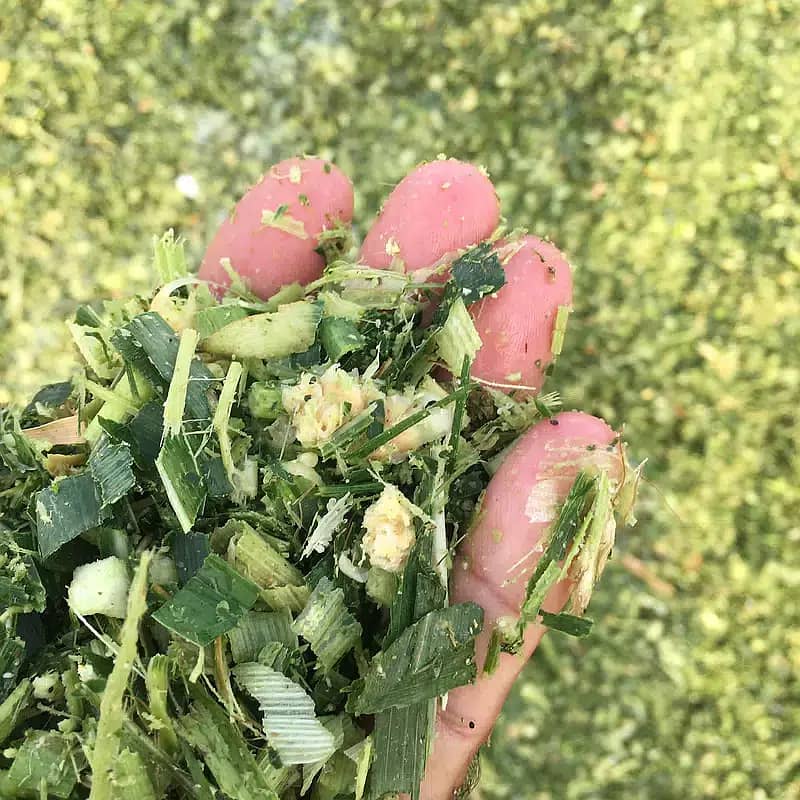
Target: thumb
x,y
492,568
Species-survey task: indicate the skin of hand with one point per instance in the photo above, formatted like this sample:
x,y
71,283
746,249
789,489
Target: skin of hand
x,y
438,209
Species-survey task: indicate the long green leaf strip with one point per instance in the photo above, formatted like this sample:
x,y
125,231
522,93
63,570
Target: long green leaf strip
x,y
112,713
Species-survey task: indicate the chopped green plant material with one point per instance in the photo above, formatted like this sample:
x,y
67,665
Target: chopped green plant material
x,y
235,583
46,764
458,338
290,722
429,658
290,329
210,604
327,625
111,715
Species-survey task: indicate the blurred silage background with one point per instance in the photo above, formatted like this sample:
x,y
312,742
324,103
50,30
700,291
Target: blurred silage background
x,y
656,142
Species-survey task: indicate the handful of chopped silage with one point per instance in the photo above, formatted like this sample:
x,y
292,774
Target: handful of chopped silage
x,y
225,545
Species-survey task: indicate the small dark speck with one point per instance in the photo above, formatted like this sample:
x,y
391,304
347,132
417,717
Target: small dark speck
x,y
554,422
471,725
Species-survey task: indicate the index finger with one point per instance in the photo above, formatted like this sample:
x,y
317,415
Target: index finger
x,y
271,237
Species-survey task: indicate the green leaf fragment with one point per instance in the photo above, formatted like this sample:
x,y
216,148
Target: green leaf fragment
x,y
402,738
130,779
567,623
290,329
327,625
111,466
46,759
190,551
361,755
372,444
571,524
150,346
12,651
280,777
21,589
429,658
208,728
335,306
289,597
339,336
12,708
381,586
493,650
67,509
369,422
282,584
157,681
143,433
200,785
169,257
334,724
256,630
335,240
49,399
290,722
264,401
478,272
182,478
590,551
458,338
210,604
290,293
419,593
92,346
210,320
335,779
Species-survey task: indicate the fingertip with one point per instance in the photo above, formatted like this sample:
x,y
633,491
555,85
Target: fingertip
x,y
516,325
524,497
311,191
579,426
438,208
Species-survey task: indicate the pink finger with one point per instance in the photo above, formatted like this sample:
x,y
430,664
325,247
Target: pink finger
x,y
494,564
271,236
438,208
516,325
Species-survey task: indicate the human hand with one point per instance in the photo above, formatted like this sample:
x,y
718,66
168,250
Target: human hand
x,y
440,208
